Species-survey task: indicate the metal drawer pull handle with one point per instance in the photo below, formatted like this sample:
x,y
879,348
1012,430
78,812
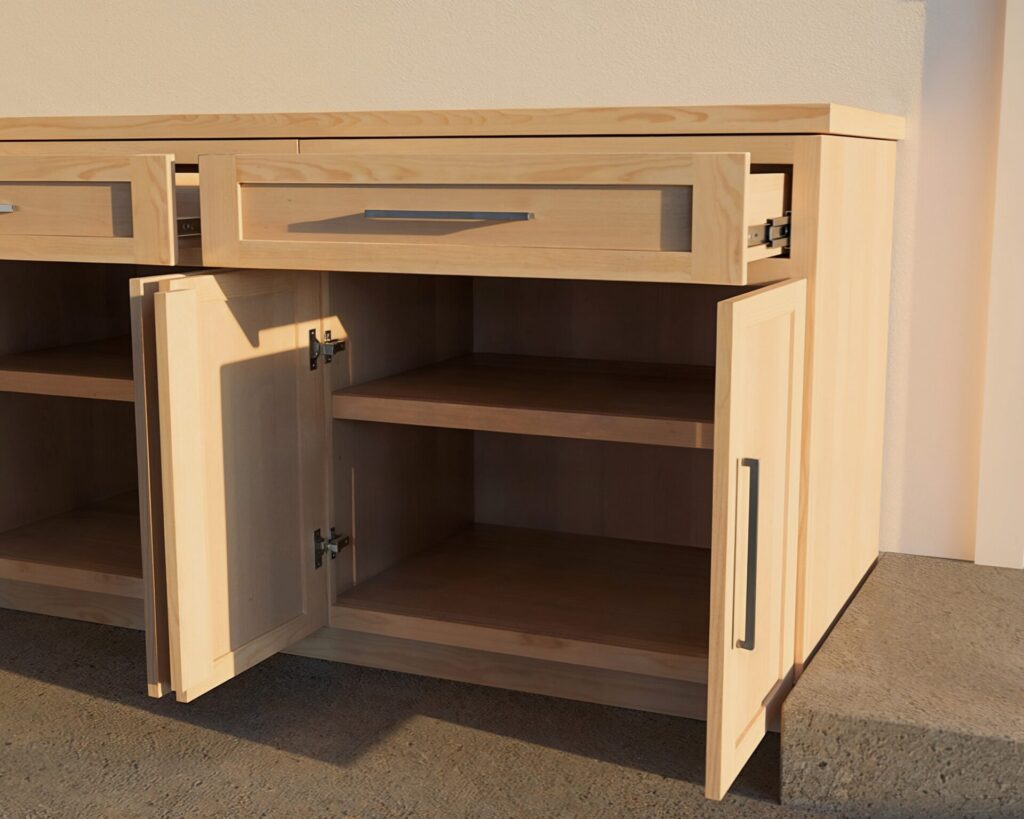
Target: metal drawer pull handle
x,y
7,208
461,215
749,629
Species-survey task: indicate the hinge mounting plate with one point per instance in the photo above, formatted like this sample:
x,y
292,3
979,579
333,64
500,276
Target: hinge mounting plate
x,y
332,544
329,347
773,233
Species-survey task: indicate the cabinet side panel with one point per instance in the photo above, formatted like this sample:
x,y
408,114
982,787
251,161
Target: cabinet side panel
x,y
851,219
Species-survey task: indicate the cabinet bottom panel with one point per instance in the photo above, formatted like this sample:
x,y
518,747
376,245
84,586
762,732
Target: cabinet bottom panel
x,y
608,603
93,548
73,604
556,679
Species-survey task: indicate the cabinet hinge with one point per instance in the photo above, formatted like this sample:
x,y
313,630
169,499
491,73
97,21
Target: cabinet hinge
x,y
328,348
773,233
189,226
332,544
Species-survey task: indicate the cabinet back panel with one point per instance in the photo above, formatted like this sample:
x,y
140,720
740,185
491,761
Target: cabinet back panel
x,y
658,494
395,323
400,489
617,321
61,453
45,304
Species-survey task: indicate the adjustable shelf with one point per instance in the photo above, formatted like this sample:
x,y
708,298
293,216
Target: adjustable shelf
x,y
93,549
660,404
600,602
93,369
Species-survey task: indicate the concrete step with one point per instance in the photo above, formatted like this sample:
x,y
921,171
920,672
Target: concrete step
x,y
914,706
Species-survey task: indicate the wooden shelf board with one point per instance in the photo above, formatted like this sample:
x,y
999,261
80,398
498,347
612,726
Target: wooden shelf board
x,y
599,602
96,548
666,405
93,369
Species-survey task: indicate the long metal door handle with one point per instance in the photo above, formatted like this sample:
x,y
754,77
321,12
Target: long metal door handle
x,y
5,208
749,628
452,215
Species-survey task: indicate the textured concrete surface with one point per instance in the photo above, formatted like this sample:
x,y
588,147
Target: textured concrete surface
x,y
299,737
915,704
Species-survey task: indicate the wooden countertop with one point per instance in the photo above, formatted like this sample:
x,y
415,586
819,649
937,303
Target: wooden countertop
x,y
810,118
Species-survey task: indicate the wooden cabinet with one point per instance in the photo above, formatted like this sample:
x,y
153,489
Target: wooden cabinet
x,y
543,411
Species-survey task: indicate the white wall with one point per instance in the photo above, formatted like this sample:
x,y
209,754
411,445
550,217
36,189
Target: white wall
x,y
1000,541
940,287
144,56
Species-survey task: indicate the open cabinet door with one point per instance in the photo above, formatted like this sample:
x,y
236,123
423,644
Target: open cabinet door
x,y
147,444
244,444
758,403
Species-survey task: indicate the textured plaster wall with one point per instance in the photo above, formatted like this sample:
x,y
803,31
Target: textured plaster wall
x,y
195,56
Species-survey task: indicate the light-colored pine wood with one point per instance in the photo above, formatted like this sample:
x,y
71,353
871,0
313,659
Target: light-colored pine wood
x,y
58,454
93,549
398,489
612,604
842,182
773,150
243,428
642,217
573,398
56,212
553,679
759,402
649,493
806,118
292,228
610,321
91,369
147,437
73,604
183,151
85,209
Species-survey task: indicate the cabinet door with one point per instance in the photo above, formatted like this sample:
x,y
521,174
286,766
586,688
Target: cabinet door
x,y
679,217
758,402
147,446
100,208
244,446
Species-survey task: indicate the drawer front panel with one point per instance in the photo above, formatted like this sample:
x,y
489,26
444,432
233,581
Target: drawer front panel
x,y
613,218
117,209
633,217
62,209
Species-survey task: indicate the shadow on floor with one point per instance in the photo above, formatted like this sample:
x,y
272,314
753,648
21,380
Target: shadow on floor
x,y
337,713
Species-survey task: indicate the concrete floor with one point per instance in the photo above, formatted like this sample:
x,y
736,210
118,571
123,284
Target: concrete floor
x,y
915,704
300,737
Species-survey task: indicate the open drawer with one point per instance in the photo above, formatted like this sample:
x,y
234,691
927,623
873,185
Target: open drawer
x,y
113,208
669,217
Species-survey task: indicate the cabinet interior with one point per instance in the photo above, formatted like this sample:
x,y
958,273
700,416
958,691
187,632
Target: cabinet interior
x,y
490,523
69,508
